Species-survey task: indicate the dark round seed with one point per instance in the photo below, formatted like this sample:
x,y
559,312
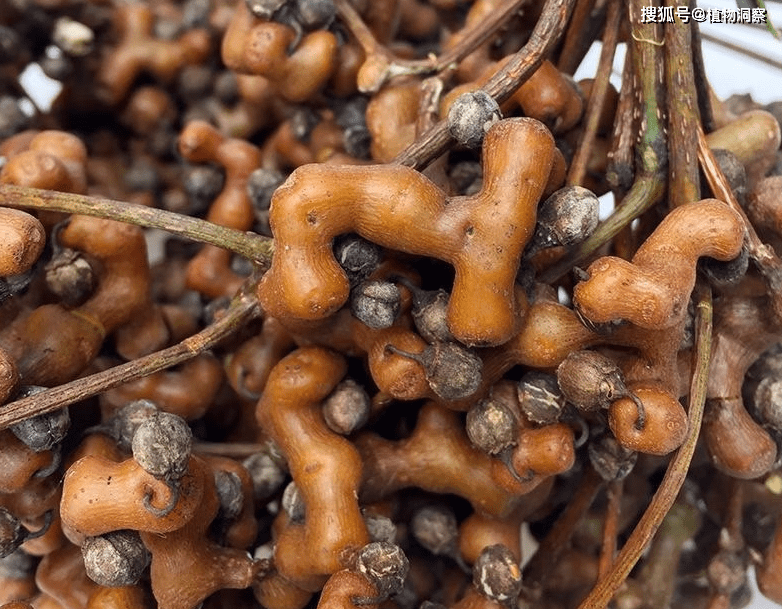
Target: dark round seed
x,y
734,172
315,14
261,185
430,314
726,572
376,303
162,445
12,118
567,217
202,184
470,117
357,257
436,529
384,565
453,371
12,533
725,274
123,425
767,402
497,575
590,381
540,399
357,141
230,493
266,474
380,528
264,9
115,559
303,121
43,431
492,426
609,458
293,503
347,408
70,277
466,177
56,66
17,565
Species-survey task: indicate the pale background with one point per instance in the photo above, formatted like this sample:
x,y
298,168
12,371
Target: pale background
x,y
728,71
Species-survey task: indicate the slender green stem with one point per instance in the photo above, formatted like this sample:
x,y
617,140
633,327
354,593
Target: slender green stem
x,y
677,469
247,244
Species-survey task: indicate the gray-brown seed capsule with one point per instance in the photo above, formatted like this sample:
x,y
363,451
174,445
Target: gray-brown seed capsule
x,y
293,503
230,494
69,276
609,458
497,575
123,425
380,528
436,529
376,303
12,533
384,565
567,217
162,445
347,408
492,426
266,474
471,115
115,559
430,313
357,257
590,381
452,371
43,431
540,398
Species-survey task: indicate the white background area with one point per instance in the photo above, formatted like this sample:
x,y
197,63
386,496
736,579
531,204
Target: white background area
x,y
729,72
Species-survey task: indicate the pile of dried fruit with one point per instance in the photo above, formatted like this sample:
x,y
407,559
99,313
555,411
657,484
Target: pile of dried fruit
x,y
388,337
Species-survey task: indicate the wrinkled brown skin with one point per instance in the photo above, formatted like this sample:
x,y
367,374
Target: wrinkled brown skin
x,y
397,207
61,575
187,566
325,466
100,496
769,573
656,286
666,422
209,271
754,138
187,391
52,160
737,445
125,597
276,592
391,117
343,586
439,458
252,46
22,239
138,51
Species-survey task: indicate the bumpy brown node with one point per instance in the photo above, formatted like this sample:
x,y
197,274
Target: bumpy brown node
x,y
325,466
254,46
656,285
139,51
397,207
209,272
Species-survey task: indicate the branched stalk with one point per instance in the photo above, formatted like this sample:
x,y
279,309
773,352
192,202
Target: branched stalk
x,y
243,308
614,492
247,244
594,109
677,469
683,176
546,34
650,151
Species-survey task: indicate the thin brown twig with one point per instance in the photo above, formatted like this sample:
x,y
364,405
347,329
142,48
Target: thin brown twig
x,y
578,165
676,471
542,41
247,244
610,526
243,308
